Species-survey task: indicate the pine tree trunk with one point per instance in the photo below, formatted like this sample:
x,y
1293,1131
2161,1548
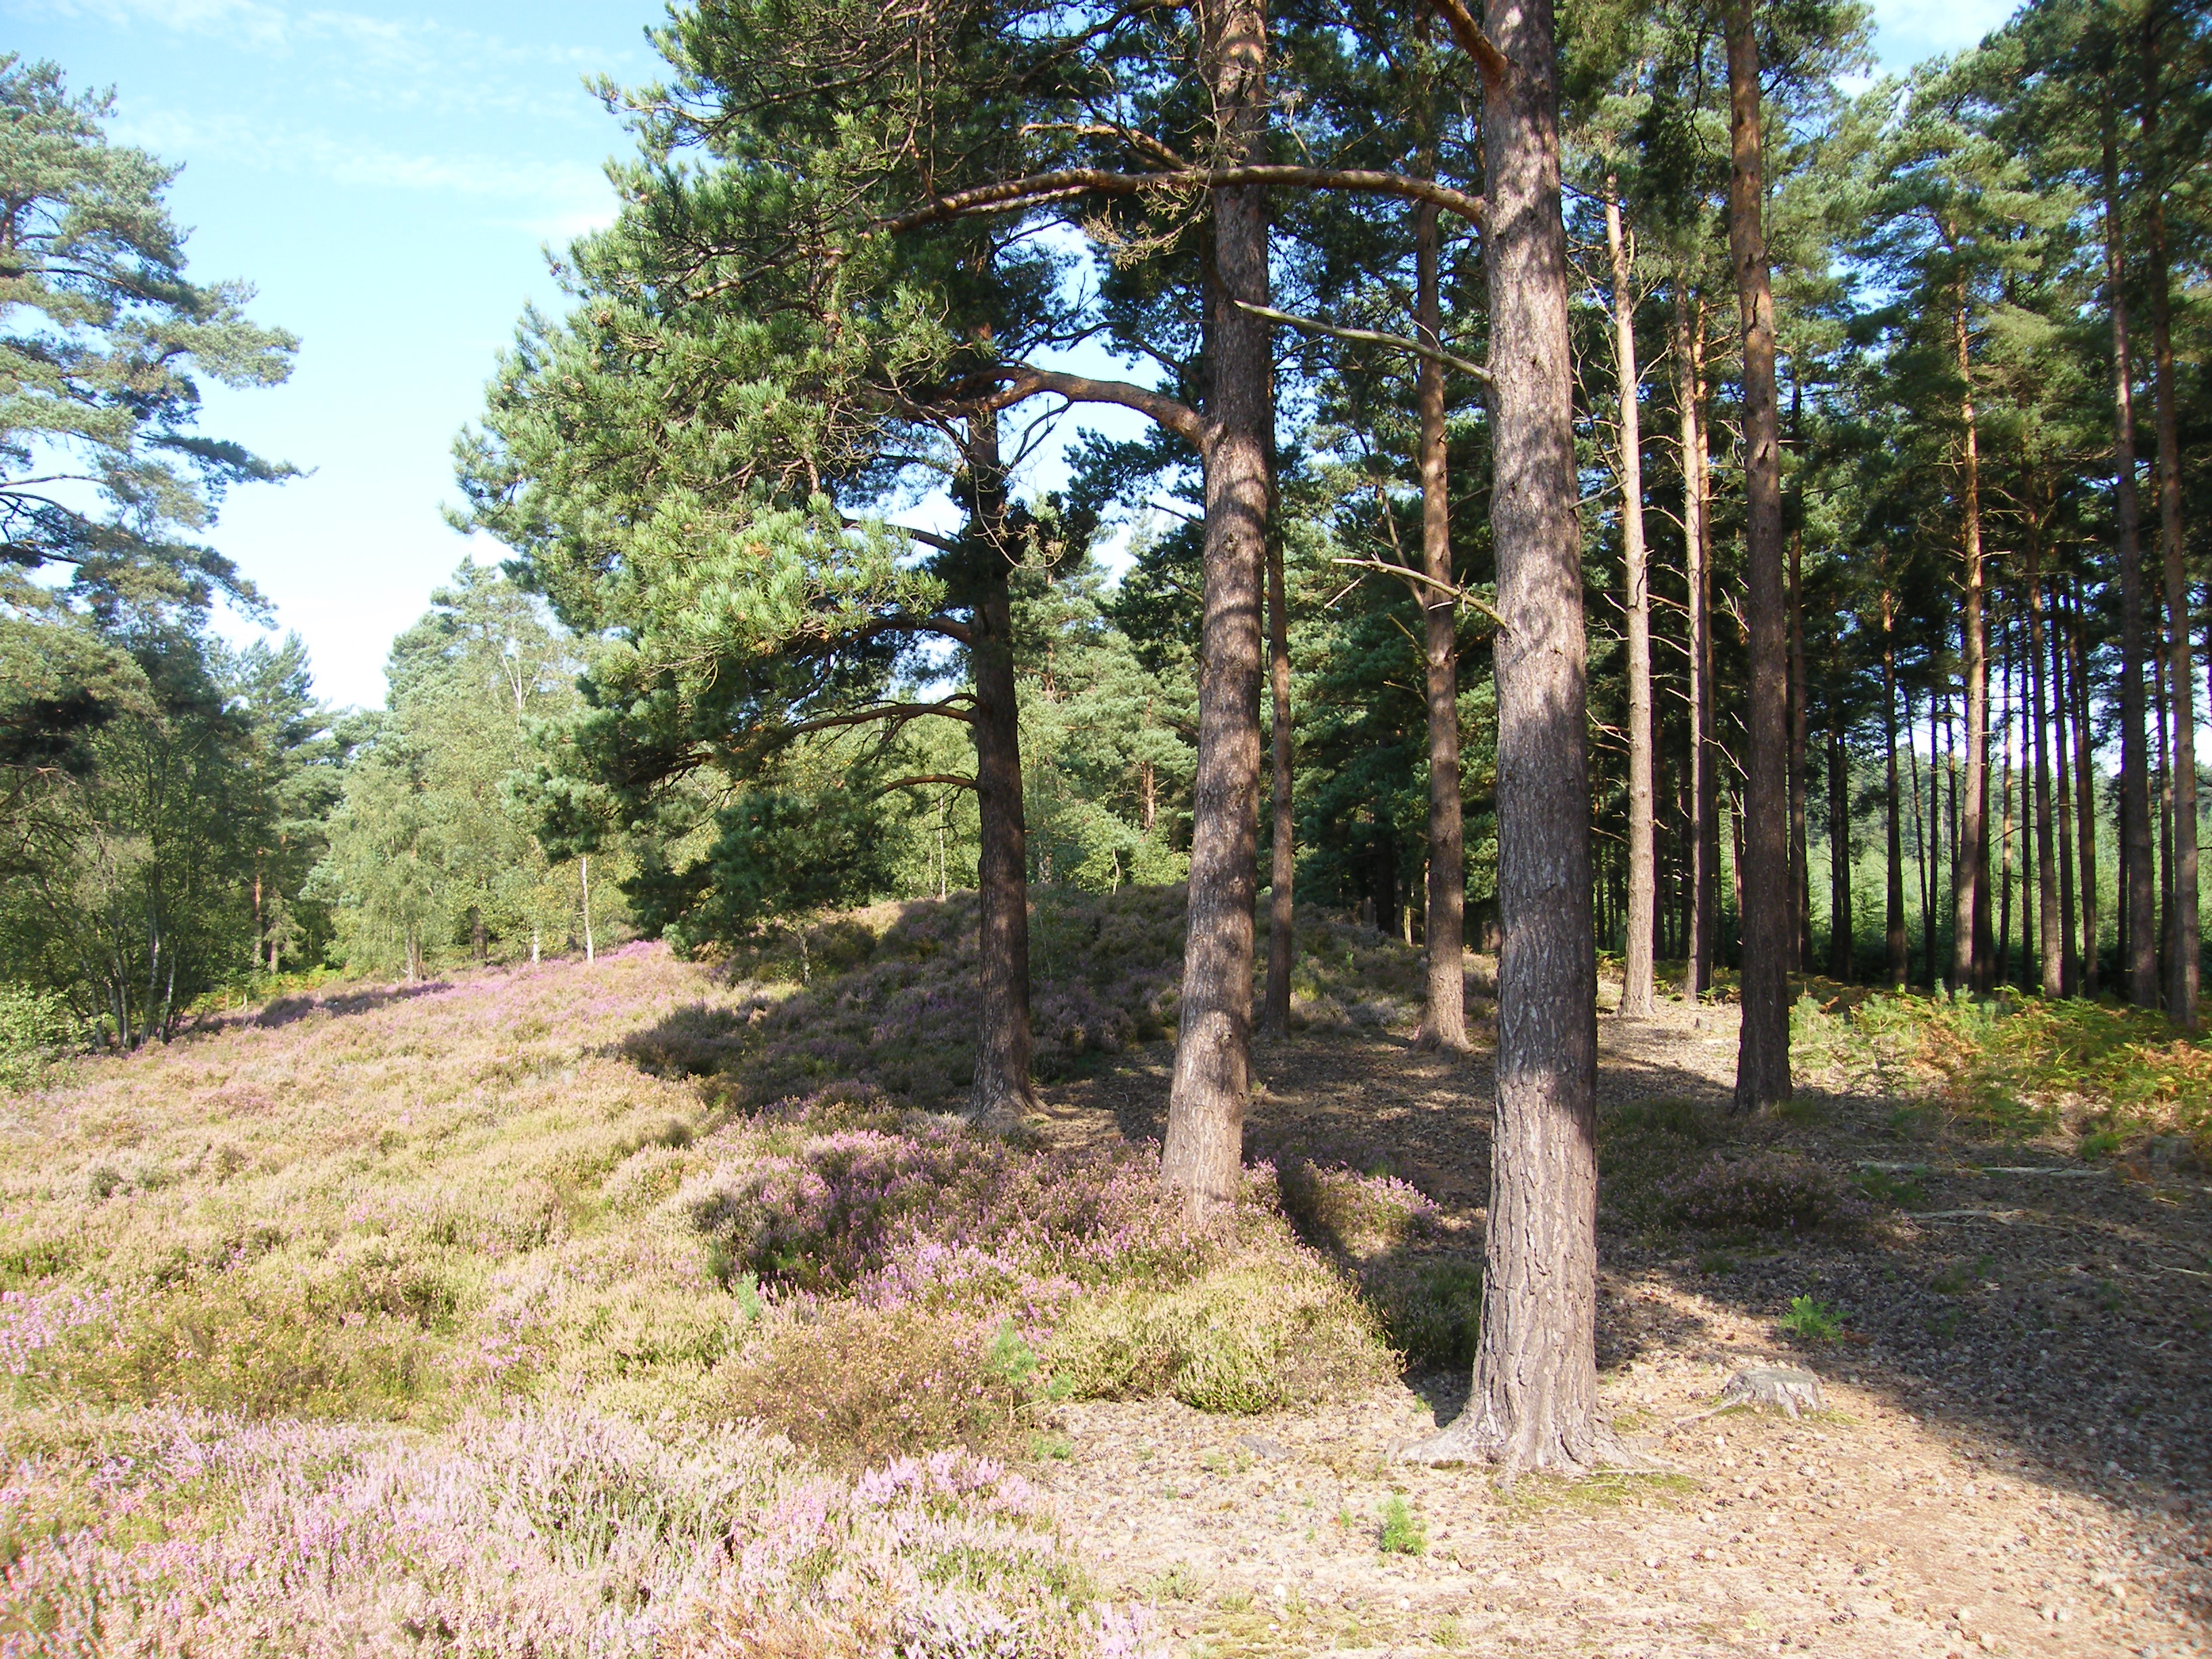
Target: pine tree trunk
x,y
1689,355
1534,1403
1896,963
2164,774
2185,940
1801,877
1203,1148
1842,946
1445,1025
1762,1052
1002,1090
2061,774
1971,847
1923,832
2001,959
2050,944
1283,863
1636,999
2085,800
2139,962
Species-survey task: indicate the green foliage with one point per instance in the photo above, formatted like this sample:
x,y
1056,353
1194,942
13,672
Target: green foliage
x,y
1810,1320
432,855
106,337
1404,1533
37,1031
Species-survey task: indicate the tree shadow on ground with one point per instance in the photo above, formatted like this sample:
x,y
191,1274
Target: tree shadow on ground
x,y
288,1010
2062,1317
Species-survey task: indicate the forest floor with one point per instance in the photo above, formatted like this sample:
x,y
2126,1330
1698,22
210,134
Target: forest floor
x,y
586,1309
2014,1457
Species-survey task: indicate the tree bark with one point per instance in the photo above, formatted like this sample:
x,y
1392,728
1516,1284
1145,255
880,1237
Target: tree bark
x,y
1689,390
1445,1025
1283,853
1534,1403
1924,831
1203,1148
1896,960
2050,945
2137,899
1970,850
1002,1090
2054,663
1636,994
2085,800
1763,1050
1800,879
2185,943
1842,947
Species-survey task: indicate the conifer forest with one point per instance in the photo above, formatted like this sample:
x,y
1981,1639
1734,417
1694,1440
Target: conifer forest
x,y
1354,828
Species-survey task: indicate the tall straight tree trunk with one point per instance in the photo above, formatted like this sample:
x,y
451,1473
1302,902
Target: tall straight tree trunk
x,y
2139,964
1970,849
1533,1400
1002,1090
1896,964
1801,877
1204,1149
2051,942
2069,953
2185,940
1689,376
1444,1025
1842,949
1637,975
1762,1072
1924,831
1283,863
2085,800
2164,774
2001,959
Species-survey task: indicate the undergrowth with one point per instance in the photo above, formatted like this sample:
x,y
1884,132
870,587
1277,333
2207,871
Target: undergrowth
x,y
478,1251
2024,1064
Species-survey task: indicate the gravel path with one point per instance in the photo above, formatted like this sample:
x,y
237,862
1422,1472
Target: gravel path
x,y
2016,1455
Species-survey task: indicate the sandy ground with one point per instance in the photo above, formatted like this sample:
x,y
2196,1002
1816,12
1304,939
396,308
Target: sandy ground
x,y
2015,1456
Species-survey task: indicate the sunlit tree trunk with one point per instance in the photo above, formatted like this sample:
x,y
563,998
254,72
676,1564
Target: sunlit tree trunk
x,y
1689,391
1636,1000
2185,943
1204,1146
1801,877
1970,850
2085,798
2050,948
1533,1400
1895,964
1444,1024
2139,962
1002,1090
1762,1076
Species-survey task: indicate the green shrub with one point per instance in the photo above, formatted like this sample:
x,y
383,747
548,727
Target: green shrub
x,y
1404,1533
37,1033
1431,1310
1812,1320
1340,1208
1765,1192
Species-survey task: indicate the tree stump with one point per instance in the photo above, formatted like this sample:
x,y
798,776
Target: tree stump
x,y
1773,1388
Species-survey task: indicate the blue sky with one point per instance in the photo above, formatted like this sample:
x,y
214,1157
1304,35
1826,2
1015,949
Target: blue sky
x,y
388,178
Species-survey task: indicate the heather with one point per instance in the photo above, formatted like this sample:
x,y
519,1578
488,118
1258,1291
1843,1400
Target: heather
x,y
454,1297
885,996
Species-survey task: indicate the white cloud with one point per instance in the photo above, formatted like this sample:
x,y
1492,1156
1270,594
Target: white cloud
x,y
570,189
1906,31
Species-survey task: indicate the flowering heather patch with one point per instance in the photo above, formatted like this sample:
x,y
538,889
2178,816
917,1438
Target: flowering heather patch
x,y
1360,1214
400,1317
560,1532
